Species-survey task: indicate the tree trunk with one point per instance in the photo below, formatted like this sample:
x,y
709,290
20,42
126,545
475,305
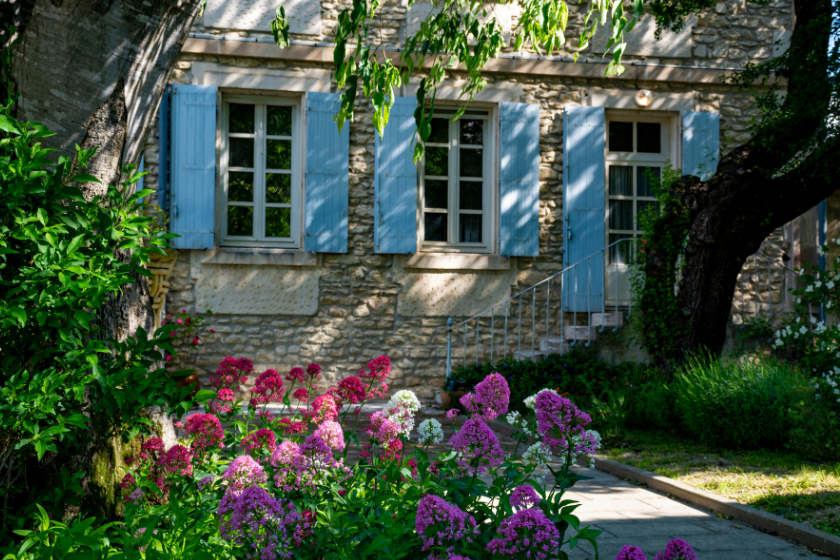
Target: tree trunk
x,y
94,71
786,169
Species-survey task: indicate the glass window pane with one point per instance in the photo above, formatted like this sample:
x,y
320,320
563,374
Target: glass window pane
x,y
437,194
240,221
646,179
470,228
279,121
645,206
440,131
472,132
471,192
621,180
471,162
241,152
278,154
649,139
278,222
621,136
241,118
620,253
278,188
437,161
435,225
241,186
621,214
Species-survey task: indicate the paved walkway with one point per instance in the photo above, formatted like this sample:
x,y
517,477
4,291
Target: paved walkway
x,y
630,514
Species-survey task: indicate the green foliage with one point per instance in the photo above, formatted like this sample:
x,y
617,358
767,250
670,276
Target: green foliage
x,y
748,403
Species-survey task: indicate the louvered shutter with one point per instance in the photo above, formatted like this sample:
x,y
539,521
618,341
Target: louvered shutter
x,y
327,176
519,185
193,166
395,182
701,144
583,188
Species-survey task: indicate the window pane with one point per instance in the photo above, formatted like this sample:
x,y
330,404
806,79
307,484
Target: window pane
x,y
241,186
241,152
621,180
621,214
435,225
241,118
470,228
278,154
645,206
621,136
437,161
646,178
471,160
278,222
278,188
620,253
648,140
471,195
437,194
472,132
279,121
440,131
241,221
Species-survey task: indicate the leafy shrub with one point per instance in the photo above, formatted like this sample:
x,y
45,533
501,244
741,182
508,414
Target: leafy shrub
x,y
746,403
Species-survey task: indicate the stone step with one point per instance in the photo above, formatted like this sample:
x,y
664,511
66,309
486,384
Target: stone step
x,y
580,333
554,345
608,319
534,356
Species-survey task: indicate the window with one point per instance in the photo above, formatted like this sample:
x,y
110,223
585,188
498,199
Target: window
x,y
261,173
455,179
637,150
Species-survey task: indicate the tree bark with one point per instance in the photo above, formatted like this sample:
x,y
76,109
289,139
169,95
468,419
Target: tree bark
x,y
753,193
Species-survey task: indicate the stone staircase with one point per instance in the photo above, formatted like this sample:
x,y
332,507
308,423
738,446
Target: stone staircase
x,y
576,335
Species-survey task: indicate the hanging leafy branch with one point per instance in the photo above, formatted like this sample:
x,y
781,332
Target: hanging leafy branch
x,y
460,34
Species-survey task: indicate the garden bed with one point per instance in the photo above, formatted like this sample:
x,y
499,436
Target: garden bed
x,y
773,481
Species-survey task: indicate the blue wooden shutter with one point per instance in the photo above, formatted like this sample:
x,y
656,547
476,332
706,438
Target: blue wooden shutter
x,y
395,182
193,171
701,144
583,187
327,175
163,151
519,185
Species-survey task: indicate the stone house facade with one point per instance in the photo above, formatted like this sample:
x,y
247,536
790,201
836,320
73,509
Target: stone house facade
x,y
310,246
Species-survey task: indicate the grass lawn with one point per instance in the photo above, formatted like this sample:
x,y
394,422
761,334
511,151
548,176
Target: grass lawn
x,y
773,481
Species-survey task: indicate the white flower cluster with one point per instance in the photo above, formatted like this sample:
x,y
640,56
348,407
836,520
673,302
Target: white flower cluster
x,y
538,455
430,431
830,380
517,421
408,398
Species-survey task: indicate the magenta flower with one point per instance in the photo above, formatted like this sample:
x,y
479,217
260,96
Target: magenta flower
x,y
242,473
206,431
263,440
351,390
478,445
127,481
378,369
524,496
330,432
295,375
231,373
631,553
268,387
493,395
265,527
677,549
528,533
452,413
301,395
323,409
382,429
558,420
177,460
441,524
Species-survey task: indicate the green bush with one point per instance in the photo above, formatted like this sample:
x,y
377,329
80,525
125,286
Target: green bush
x,y
747,403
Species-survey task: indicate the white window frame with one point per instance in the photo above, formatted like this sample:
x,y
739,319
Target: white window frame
x,y
617,279
490,191
260,136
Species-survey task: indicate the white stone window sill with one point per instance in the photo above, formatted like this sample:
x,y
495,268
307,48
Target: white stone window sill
x,y
258,256
456,261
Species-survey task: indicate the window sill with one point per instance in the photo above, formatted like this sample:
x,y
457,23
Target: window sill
x,y
456,261
260,257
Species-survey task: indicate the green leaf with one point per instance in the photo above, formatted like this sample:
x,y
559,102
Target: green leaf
x,y
20,314
10,125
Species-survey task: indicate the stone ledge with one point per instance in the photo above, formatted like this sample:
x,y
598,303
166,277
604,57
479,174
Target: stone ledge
x,y
456,261
260,257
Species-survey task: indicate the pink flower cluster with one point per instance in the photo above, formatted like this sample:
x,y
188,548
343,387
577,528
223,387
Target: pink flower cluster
x,y
441,524
491,398
242,473
528,533
231,373
265,527
630,552
478,445
178,459
524,496
377,370
206,432
350,390
323,409
259,442
298,467
268,388
558,420
331,433
677,549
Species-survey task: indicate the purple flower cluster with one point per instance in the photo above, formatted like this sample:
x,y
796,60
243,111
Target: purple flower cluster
x,y
528,533
243,473
479,446
297,467
441,524
677,549
267,528
491,398
630,552
558,420
524,496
